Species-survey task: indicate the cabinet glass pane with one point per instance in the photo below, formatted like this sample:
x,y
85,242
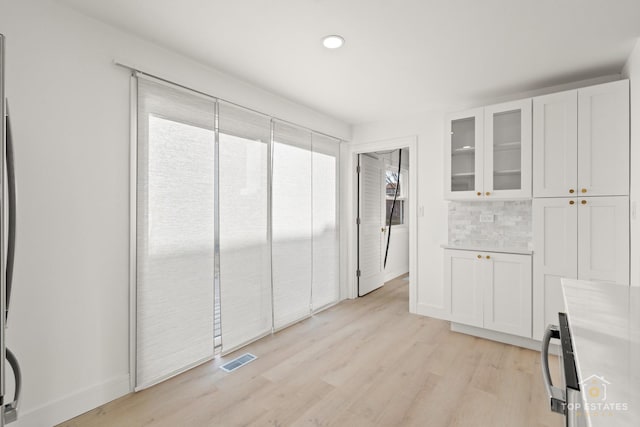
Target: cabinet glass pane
x,y
507,148
463,154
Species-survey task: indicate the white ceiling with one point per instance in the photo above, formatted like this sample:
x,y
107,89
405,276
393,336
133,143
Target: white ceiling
x,y
401,57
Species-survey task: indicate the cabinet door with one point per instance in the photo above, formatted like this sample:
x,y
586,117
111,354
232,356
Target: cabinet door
x,y
603,239
555,255
507,296
555,144
603,139
463,276
464,155
507,152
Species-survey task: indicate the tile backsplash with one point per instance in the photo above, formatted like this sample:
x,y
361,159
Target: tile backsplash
x,y
470,224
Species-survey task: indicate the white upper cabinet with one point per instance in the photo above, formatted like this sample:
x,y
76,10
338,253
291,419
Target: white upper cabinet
x,y
555,144
507,150
603,139
488,153
581,142
464,155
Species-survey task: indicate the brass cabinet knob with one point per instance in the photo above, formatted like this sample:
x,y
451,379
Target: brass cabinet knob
x,y
571,191
488,193
584,202
383,229
488,257
479,256
479,193
571,202
584,190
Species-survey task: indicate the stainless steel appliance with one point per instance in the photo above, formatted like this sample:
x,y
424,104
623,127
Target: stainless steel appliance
x,y
8,411
564,400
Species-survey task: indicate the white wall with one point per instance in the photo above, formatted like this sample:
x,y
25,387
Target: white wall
x,y
432,223
632,72
70,111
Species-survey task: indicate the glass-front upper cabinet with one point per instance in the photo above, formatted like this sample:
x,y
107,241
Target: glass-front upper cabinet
x,y
488,153
464,155
507,155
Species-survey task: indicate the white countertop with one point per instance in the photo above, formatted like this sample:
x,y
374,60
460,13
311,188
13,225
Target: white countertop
x,y
604,320
486,248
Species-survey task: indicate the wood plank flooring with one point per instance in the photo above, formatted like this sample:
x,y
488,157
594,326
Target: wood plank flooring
x,y
364,362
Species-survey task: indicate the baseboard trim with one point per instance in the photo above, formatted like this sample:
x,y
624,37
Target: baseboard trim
x,y
529,343
74,404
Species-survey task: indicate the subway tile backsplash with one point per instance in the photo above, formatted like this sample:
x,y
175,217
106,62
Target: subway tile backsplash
x,y
511,227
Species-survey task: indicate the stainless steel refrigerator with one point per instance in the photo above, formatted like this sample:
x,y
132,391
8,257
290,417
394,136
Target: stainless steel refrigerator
x,y
8,413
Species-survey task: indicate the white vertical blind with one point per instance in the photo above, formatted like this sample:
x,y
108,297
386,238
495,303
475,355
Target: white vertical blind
x,y
279,244
326,240
291,224
245,279
175,231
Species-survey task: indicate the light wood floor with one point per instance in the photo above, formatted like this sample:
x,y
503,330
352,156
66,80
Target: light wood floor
x,y
364,362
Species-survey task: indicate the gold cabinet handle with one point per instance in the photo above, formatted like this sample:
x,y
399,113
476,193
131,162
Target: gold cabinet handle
x,y
383,229
571,202
479,193
584,190
571,191
479,256
488,257
584,202
488,193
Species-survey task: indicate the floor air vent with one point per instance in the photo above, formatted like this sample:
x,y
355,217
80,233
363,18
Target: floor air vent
x,y
238,362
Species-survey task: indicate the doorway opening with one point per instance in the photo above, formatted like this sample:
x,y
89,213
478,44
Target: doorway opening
x,y
382,172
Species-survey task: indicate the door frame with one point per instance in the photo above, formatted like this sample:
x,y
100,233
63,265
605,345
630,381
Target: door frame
x,y
410,142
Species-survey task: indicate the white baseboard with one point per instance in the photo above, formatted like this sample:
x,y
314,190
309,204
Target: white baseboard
x,y
502,337
74,404
393,274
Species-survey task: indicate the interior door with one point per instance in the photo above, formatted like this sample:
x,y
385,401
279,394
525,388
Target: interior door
x,y
371,230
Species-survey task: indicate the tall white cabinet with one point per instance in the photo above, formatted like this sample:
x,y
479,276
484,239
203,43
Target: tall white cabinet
x,y
580,188
578,238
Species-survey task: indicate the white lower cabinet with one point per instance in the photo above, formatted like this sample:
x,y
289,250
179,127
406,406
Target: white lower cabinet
x,y
583,238
490,290
463,275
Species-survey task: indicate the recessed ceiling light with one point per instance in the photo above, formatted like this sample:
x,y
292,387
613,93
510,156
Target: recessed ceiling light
x,y
333,41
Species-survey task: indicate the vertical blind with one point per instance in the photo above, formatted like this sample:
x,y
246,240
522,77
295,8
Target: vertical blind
x,y
175,231
292,224
274,187
245,275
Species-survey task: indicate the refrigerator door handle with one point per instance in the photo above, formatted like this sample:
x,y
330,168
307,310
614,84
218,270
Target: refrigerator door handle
x,y
11,409
557,396
11,208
